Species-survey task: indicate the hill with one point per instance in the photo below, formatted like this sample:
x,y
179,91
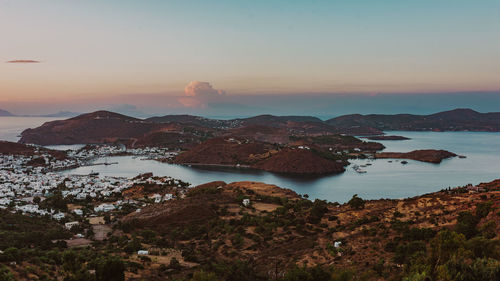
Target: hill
x,y
251,231
281,236
13,148
299,161
260,155
453,120
5,113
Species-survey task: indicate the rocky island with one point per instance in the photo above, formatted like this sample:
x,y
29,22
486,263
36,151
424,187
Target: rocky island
x,y
259,155
384,137
426,155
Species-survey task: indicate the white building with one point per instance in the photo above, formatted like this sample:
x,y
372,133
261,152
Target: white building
x,y
69,225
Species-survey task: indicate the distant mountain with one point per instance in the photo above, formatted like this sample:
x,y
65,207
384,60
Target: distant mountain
x,y
453,120
181,131
271,120
58,114
96,127
190,119
110,127
61,114
5,113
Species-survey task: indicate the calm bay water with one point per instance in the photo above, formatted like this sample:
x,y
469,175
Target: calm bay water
x,y
12,127
382,180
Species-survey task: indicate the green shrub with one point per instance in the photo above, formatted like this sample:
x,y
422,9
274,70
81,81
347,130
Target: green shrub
x,y
356,202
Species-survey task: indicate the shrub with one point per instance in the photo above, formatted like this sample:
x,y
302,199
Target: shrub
x,y
466,224
483,209
356,202
110,269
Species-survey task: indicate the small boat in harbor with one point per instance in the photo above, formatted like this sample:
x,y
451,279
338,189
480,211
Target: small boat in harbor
x,y
358,169
93,174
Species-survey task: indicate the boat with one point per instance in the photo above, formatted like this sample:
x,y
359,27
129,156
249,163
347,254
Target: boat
x,y
93,174
462,156
358,169
404,162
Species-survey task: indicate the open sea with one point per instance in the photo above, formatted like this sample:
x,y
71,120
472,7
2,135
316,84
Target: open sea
x,y
383,179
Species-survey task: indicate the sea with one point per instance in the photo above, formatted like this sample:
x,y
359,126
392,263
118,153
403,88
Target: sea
x,y
384,178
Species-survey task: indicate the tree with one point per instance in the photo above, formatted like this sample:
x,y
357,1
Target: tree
x,y
204,276
318,210
5,274
356,202
483,209
445,245
110,269
316,273
466,224
174,264
71,262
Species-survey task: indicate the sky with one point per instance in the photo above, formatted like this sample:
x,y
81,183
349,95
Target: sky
x,y
211,57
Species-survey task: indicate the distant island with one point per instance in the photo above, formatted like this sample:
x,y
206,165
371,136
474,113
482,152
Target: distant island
x,y
426,155
5,113
453,120
57,114
384,137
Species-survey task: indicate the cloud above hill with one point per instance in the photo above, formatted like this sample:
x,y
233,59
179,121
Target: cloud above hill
x,y
23,61
198,94
202,89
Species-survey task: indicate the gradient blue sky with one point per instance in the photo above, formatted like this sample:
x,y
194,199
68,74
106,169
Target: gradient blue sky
x,y
106,52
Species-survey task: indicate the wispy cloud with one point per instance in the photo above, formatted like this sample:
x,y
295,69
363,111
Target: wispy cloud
x,y
23,61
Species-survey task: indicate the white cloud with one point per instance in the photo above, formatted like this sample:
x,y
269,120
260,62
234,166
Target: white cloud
x,y
202,89
197,94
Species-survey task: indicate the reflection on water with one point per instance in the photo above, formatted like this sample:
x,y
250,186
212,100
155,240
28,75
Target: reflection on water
x,y
383,179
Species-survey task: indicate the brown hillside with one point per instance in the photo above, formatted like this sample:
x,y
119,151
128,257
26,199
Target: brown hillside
x,y
299,161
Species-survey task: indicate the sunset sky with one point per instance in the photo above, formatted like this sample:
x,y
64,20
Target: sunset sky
x,y
192,55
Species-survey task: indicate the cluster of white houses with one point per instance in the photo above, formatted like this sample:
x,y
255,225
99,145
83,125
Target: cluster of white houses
x,y
20,184
96,151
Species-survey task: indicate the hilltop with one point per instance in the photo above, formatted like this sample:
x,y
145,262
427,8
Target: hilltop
x,y
453,120
105,126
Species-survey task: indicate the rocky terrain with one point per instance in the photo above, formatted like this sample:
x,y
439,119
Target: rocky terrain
x,y
249,231
426,155
300,161
365,240
225,151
